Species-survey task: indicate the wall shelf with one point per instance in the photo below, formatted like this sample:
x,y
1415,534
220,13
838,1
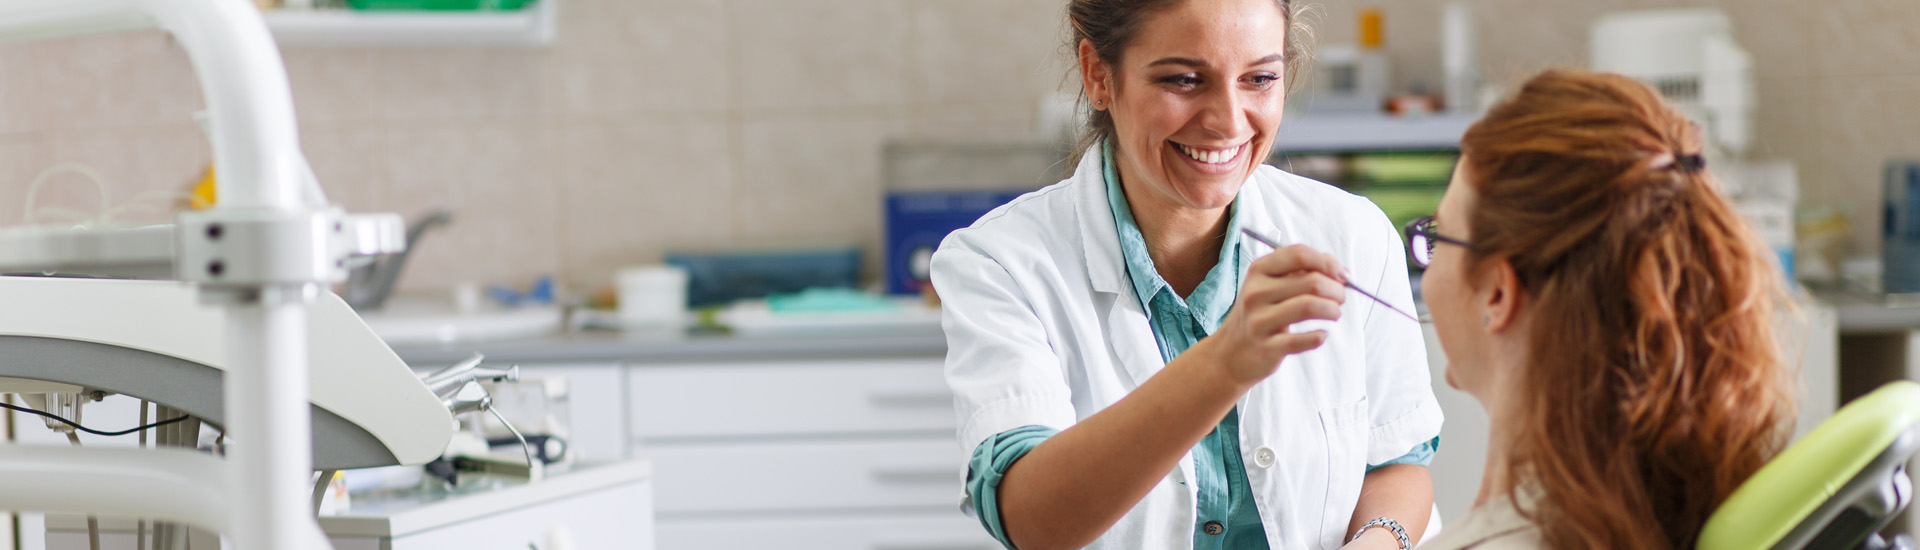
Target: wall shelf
x,y
1369,132
532,26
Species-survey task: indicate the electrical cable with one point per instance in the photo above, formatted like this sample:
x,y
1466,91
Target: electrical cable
x,y
151,202
140,532
77,426
33,189
524,447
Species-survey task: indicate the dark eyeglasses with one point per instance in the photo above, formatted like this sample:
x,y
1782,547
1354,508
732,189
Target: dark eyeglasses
x,y
1422,236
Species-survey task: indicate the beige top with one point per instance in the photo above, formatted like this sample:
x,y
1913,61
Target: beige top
x,y
1495,525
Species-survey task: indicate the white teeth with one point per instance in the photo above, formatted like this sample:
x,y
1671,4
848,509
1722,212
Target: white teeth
x,y
1210,157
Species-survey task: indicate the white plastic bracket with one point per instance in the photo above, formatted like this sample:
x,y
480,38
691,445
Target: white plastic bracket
x,y
254,247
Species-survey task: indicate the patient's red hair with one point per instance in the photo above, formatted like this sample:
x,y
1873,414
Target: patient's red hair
x,y
1656,386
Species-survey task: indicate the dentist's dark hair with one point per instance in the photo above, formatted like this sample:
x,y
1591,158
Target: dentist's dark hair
x,y
1111,25
1654,386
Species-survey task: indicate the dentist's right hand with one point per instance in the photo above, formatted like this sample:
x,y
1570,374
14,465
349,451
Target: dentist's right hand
x,y
1075,485
1290,285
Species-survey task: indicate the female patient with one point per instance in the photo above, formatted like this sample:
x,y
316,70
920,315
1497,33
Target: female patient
x,y
1610,311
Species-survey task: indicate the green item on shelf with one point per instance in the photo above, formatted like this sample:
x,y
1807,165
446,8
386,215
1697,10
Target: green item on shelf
x,y
1405,204
438,5
1396,169
819,299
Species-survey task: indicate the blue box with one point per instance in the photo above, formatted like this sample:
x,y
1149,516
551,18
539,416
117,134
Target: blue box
x,y
918,220
1900,243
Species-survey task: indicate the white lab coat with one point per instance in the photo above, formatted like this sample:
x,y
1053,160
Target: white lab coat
x,y
1043,328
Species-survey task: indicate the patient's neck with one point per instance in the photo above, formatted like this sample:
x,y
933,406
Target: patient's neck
x,y
1493,482
1505,404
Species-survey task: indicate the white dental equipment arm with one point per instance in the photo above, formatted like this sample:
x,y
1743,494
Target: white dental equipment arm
x,y
263,253
256,147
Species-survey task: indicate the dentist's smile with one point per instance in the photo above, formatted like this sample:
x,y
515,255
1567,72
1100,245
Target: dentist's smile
x,y
1212,160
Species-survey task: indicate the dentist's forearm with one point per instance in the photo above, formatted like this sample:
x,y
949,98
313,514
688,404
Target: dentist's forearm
x,y
1403,492
1075,485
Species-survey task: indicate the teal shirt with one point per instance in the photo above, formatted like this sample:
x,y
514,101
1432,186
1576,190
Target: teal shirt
x,y
1178,323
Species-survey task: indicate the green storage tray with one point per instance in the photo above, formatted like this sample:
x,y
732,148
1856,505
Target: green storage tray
x,y
438,5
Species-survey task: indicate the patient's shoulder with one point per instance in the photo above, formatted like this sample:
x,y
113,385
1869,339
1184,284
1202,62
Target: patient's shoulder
x,y
1495,525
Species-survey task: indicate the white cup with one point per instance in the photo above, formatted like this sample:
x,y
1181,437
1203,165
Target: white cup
x,y
652,296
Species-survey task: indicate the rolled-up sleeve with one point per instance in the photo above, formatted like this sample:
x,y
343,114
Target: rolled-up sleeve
x,y
1000,365
990,462
1404,413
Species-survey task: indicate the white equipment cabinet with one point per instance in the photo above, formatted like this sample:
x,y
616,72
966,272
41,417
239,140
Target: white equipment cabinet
x,y
595,412
591,506
802,455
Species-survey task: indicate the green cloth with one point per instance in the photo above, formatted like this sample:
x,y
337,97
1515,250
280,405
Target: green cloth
x,y
990,461
1178,323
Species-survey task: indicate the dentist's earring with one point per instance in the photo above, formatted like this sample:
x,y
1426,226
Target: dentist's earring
x,y
1486,320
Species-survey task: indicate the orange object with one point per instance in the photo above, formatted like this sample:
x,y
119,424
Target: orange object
x,y
1372,29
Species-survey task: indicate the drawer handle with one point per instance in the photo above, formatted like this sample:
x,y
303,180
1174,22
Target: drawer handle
x,y
915,476
911,399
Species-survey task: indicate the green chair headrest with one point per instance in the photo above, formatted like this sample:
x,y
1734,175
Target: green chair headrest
x,y
1768,506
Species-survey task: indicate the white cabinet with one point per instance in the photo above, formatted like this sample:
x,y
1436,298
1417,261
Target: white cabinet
x,y
802,455
596,407
595,411
910,531
757,400
808,475
603,505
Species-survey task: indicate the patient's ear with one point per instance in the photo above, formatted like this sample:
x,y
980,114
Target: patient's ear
x,y
1501,296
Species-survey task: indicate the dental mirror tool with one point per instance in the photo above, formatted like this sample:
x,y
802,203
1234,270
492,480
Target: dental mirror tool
x,y
1343,280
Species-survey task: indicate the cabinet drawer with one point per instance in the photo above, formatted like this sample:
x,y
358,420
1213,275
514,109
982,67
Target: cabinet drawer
x,y
789,398
929,531
866,475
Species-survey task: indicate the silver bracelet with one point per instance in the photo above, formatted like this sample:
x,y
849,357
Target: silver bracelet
x,y
1398,531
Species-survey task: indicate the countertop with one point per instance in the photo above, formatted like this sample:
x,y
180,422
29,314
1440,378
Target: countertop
x,y
399,513
599,346
1861,313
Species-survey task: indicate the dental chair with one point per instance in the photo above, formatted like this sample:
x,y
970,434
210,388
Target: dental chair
x,y
242,336
1833,489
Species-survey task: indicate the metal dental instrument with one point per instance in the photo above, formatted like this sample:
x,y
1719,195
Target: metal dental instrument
x,y
1343,280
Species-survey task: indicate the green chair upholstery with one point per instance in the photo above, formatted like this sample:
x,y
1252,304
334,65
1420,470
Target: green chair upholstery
x,y
1832,489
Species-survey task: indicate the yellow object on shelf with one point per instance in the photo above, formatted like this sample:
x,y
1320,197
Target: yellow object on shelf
x,y
204,193
1372,32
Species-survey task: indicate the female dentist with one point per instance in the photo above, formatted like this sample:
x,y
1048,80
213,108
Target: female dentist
x,y
1131,372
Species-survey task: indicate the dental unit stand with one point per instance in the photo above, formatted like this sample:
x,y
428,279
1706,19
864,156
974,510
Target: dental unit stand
x,y
263,253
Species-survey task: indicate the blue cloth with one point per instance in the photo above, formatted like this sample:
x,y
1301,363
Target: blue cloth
x,y
1178,323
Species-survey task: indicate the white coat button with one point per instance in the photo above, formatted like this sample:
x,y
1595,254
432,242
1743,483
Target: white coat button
x,y
1263,457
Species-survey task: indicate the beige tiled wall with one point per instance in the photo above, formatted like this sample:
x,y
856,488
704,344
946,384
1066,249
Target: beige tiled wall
x,y
1838,82
651,125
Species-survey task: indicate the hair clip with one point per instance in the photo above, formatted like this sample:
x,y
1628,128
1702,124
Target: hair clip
x,y
1690,163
